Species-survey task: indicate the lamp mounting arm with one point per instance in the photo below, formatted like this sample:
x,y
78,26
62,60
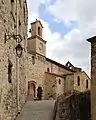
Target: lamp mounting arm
x,y
18,37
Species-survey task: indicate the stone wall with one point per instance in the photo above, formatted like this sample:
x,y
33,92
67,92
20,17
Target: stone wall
x,y
54,68
36,69
55,85
50,85
60,86
93,76
8,90
73,107
68,83
83,77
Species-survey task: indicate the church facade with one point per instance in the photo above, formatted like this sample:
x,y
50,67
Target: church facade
x,y
53,77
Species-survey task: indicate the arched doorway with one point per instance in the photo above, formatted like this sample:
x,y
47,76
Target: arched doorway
x,y
39,93
31,90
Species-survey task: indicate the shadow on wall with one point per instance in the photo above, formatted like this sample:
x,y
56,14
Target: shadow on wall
x,y
73,107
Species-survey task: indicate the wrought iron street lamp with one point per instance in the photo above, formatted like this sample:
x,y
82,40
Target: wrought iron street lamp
x,y
18,39
19,50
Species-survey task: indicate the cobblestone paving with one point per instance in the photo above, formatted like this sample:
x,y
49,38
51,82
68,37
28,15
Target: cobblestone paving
x,y
37,110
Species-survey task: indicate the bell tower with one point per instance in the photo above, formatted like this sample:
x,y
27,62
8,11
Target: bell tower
x,y
36,28
36,44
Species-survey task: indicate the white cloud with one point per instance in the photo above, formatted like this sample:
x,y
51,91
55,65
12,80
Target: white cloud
x,y
82,11
33,5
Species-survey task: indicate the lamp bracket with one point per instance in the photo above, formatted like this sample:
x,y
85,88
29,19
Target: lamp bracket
x,y
18,37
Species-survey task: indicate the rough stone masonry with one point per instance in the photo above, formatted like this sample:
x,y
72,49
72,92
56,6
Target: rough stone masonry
x,y
10,22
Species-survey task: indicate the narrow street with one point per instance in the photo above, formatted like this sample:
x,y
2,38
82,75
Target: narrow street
x,y
37,110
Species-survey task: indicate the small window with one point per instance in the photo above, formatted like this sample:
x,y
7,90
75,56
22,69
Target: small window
x,y
33,60
38,58
86,83
48,70
59,81
12,4
12,0
19,23
9,71
19,26
39,31
78,81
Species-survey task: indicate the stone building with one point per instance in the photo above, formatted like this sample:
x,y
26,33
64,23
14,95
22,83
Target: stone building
x,y
53,77
92,40
13,25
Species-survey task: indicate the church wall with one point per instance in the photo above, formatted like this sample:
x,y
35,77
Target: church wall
x,y
50,85
33,29
63,71
43,48
83,78
36,69
31,45
48,65
60,86
56,68
56,85
68,83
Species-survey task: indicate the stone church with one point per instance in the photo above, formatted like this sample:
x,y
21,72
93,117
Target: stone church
x,y
53,77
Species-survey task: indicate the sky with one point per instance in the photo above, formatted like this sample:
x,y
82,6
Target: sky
x,y
67,24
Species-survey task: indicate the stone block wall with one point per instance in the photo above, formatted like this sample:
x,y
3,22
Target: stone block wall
x,y
73,107
83,77
54,68
50,85
93,76
55,85
60,86
8,90
68,83
36,69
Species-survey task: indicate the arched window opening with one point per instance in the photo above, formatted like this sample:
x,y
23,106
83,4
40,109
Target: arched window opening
x,y
12,5
78,81
12,0
86,83
33,60
48,70
9,71
59,81
39,30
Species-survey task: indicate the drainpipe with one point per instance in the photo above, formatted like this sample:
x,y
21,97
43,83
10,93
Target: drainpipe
x,y
17,60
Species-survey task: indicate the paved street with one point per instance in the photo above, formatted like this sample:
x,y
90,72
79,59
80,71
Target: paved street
x,y
37,110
